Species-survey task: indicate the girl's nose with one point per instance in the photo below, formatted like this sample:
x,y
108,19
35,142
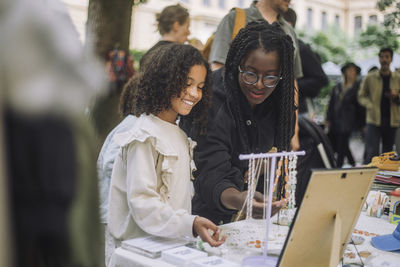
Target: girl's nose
x,y
193,92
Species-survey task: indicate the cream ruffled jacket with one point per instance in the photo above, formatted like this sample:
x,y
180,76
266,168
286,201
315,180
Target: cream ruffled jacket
x,y
151,186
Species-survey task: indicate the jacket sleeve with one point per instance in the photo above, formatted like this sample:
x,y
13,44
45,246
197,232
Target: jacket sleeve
x,y
148,207
214,163
364,95
105,164
314,77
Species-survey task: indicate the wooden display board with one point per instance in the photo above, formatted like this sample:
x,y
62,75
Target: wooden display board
x,y
324,222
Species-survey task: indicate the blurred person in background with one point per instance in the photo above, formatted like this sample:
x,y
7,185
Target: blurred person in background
x,y
173,25
373,68
309,87
314,77
118,70
344,113
47,82
379,94
119,67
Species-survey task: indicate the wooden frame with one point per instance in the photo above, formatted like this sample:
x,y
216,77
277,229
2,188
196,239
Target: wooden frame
x,y
325,220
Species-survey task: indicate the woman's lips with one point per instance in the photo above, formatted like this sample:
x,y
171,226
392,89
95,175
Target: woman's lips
x,y
256,95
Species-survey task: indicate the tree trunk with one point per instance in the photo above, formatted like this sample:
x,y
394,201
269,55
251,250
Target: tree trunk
x,y
109,24
108,27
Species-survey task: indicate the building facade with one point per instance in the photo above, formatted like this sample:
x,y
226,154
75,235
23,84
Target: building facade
x,y
350,15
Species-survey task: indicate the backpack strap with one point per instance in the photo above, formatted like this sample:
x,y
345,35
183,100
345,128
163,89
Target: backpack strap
x,y
240,21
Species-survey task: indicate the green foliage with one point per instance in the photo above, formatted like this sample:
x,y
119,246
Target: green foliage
x,y
321,101
378,37
137,55
392,19
138,2
326,90
331,45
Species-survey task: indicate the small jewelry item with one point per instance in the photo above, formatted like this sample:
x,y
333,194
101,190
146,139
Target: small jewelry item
x,y
292,181
286,183
278,173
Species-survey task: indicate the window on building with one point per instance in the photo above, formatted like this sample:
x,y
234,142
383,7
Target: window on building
x,y
221,4
240,3
309,18
324,23
373,19
337,20
206,2
357,24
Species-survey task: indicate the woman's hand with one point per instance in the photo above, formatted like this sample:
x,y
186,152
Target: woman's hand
x,y
207,231
259,203
232,198
295,142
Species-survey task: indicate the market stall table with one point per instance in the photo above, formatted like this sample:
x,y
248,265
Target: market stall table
x,y
243,236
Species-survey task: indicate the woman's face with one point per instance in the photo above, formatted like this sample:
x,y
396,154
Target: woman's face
x,y
182,31
262,64
350,73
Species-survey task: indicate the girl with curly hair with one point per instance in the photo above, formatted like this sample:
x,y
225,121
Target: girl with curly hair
x,y
252,111
151,188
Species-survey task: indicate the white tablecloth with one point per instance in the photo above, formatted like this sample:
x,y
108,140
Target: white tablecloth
x,y
124,258
378,257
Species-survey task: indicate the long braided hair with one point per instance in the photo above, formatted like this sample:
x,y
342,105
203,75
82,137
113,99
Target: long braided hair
x,y
269,37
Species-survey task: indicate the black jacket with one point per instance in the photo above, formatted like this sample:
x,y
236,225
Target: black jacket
x,y
344,113
314,77
217,154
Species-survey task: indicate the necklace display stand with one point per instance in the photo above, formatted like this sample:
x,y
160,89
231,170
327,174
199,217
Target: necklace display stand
x,y
255,163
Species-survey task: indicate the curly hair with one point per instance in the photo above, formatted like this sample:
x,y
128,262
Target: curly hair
x,y
125,100
163,78
269,37
169,15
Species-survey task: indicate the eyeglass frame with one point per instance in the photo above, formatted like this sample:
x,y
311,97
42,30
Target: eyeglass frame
x,y
242,72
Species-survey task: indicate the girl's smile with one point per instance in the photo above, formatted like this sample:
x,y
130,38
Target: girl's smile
x,y
189,97
189,103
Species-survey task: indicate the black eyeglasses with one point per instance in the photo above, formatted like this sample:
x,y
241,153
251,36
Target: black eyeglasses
x,y
250,78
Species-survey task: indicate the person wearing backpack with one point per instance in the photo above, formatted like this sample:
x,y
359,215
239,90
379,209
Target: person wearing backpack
x,y
268,10
119,67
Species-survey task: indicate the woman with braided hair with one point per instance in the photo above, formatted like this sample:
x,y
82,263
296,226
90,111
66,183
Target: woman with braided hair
x,y
252,111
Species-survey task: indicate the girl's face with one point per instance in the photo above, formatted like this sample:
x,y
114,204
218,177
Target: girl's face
x,y
182,31
262,64
189,97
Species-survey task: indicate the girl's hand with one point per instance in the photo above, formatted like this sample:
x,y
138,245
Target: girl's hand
x,y
207,231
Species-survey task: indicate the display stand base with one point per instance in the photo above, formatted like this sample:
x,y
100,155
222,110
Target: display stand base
x,y
259,261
